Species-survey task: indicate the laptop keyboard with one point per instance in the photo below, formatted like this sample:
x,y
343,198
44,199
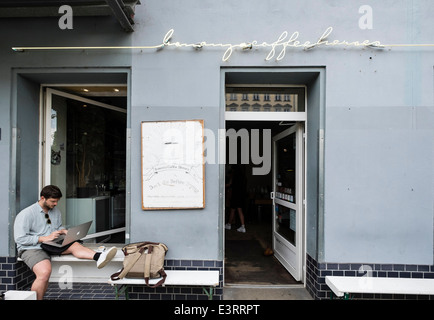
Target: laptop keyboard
x,y
60,239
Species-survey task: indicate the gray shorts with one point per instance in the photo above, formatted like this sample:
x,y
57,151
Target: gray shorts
x,y
33,256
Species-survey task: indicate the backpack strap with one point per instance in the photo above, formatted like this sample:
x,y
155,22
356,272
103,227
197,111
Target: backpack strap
x,y
127,267
159,283
147,272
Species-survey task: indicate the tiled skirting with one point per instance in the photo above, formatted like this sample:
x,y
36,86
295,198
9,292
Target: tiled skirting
x,y
94,291
316,273
15,275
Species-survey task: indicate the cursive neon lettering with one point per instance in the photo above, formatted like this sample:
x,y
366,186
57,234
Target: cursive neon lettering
x,y
282,43
168,36
282,53
324,36
274,44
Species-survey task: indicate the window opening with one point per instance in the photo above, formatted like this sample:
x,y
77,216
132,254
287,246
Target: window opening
x,y
86,158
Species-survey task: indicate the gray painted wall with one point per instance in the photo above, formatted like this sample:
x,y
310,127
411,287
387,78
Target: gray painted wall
x,y
378,203
379,112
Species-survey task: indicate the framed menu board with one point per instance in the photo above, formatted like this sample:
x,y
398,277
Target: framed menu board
x,y
173,169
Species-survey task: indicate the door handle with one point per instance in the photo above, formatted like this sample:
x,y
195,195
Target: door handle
x,y
272,195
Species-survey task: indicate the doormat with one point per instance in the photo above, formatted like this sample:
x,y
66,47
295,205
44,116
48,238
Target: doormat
x,y
245,263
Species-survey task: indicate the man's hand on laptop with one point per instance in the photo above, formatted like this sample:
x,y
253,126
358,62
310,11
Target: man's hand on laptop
x,y
54,235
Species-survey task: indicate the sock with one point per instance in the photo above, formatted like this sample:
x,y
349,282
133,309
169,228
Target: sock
x,y
96,256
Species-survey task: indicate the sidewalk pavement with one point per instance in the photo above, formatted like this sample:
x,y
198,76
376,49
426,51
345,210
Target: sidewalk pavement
x,y
255,293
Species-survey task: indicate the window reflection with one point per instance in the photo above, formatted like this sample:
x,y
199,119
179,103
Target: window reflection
x,y
285,222
265,99
88,163
286,169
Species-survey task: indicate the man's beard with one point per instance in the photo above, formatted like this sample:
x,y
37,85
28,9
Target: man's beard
x,y
46,206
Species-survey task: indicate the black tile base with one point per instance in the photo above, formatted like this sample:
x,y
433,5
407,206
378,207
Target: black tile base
x,y
316,273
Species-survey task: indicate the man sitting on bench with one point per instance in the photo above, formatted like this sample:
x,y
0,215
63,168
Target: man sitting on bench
x,y
42,222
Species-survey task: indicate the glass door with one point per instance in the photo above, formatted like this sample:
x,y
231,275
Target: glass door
x,y
84,154
288,195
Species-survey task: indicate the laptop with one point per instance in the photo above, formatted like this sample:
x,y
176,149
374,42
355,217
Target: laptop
x,y
74,234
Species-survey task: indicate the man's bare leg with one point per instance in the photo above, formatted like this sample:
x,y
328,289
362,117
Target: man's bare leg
x,y
79,251
42,271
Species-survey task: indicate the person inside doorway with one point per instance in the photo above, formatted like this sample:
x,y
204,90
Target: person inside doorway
x,y
42,222
236,188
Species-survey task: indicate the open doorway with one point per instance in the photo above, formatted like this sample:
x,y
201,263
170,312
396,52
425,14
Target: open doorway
x,y
284,95
249,255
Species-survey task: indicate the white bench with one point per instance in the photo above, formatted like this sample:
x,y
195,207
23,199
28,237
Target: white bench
x,y
207,279
82,270
343,286
69,268
20,295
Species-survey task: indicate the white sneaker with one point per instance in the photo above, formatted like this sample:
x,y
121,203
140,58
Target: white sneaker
x,y
228,226
106,257
242,229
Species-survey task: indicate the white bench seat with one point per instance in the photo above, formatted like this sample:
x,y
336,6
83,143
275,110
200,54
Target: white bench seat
x,y
69,257
342,286
203,278
83,270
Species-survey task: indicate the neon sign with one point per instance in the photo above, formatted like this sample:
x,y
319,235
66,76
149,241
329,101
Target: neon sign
x,y
276,49
282,43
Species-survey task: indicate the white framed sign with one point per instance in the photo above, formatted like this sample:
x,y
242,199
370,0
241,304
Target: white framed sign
x,y
173,168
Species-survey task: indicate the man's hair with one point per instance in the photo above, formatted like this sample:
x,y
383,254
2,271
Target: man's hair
x,y
51,191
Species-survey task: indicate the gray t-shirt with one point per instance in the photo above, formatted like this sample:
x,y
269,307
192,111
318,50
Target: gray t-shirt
x,y
30,224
